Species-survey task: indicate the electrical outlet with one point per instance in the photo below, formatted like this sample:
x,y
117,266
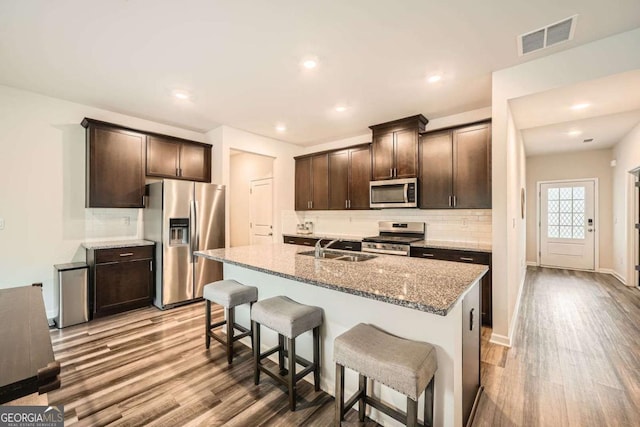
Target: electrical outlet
x,y
126,220
465,222
1,223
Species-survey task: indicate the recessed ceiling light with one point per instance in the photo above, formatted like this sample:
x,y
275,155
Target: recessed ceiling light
x,y
435,78
180,94
281,128
310,63
581,106
341,108
574,132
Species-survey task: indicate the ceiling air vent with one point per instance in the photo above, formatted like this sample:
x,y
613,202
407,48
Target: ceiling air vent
x,y
550,35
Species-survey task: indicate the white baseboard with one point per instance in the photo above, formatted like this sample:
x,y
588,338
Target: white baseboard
x,y
613,273
532,264
507,340
500,340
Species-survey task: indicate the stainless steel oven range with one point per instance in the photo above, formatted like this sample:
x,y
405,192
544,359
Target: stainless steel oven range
x,y
395,238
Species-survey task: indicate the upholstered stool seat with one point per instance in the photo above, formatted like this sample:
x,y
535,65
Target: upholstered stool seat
x,y
289,319
229,294
404,365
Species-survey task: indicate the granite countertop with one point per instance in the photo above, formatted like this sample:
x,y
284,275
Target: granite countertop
x,y
113,244
461,246
325,236
426,285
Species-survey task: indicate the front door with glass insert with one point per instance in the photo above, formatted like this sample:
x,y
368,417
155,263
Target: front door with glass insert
x,y
567,225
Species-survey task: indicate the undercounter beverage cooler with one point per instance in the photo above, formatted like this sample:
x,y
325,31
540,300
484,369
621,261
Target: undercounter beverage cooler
x,y
71,289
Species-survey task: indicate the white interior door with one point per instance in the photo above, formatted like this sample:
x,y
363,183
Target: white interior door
x,y
261,211
567,224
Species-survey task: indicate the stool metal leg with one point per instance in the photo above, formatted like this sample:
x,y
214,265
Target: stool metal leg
x,y
412,413
250,325
316,358
362,387
339,394
256,352
291,376
428,404
230,333
281,349
207,329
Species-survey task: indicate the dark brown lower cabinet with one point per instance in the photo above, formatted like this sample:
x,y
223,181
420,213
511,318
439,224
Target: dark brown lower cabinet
x,y
122,279
472,257
345,245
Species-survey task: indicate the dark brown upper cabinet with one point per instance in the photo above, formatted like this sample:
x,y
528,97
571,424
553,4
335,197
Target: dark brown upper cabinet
x,y
349,176
179,159
312,182
395,147
455,168
115,166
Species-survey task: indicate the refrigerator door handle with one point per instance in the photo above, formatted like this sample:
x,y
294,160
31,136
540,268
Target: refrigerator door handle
x,y
192,228
196,243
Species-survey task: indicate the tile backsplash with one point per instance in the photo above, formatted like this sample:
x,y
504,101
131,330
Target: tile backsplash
x,y
112,224
460,225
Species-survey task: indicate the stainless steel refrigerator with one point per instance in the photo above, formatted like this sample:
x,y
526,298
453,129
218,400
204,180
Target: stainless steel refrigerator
x,y
183,217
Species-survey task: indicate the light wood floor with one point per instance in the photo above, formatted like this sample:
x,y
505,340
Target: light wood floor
x,y
576,356
151,368
575,362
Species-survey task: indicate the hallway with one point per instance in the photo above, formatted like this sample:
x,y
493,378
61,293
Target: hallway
x,y
575,359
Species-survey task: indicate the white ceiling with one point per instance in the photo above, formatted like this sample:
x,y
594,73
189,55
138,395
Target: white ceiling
x,y
546,119
241,59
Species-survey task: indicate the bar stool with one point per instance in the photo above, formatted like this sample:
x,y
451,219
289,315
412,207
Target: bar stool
x,y
229,294
289,319
403,365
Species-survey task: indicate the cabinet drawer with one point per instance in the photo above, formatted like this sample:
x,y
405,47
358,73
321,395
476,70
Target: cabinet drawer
x,y
452,255
130,253
346,245
306,241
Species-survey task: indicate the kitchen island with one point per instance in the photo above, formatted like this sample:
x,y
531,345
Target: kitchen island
x,y
412,298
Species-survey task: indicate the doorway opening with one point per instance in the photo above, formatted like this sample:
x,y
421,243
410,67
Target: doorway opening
x,y
567,224
248,176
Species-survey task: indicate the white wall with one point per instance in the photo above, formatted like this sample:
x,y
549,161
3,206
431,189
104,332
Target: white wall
x,y
627,155
244,168
573,165
42,170
598,59
225,138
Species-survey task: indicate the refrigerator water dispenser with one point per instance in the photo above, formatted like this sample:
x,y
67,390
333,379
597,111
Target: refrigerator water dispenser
x,y
178,231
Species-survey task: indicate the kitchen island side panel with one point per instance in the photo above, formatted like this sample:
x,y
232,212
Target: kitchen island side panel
x,y
343,311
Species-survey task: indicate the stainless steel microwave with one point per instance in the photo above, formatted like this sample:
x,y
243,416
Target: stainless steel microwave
x,y
394,193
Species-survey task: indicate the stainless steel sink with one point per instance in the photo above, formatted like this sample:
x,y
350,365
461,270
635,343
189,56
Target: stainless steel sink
x,y
356,257
340,256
